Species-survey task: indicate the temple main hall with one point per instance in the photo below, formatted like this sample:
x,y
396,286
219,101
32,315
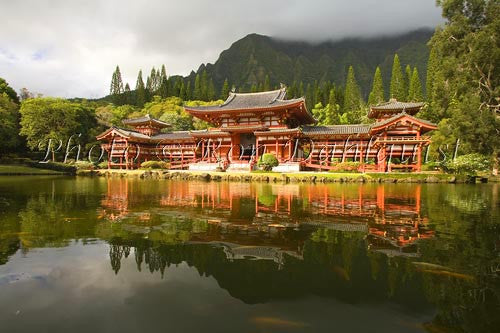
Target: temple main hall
x,y
248,125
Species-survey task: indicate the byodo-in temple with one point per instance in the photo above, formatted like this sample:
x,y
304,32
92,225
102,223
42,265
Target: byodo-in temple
x,y
247,125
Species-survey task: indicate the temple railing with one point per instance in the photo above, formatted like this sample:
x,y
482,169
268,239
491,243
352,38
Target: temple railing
x,y
403,139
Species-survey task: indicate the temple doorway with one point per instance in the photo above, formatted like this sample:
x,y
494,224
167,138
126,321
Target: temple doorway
x,y
247,141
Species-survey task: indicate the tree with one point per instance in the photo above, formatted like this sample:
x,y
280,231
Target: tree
x,y
9,126
377,94
163,88
151,82
24,94
352,98
432,67
415,92
116,89
140,90
197,93
189,94
466,84
408,75
210,90
11,93
58,119
398,87
182,91
204,86
332,115
267,83
225,90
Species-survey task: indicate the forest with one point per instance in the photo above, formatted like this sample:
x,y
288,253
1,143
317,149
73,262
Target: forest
x,y
460,90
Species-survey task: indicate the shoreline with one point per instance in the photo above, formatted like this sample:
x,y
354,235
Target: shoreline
x,y
276,177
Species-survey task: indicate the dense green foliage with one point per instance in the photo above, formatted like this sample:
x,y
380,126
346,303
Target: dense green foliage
x,y
398,82
154,165
56,119
9,124
377,94
6,89
468,164
352,98
267,161
464,77
415,89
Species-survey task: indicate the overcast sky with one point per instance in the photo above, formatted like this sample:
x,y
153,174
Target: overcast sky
x,y
70,47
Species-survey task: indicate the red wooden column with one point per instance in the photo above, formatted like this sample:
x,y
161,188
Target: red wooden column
x,y
126,154
419,153
277,149
419,158
256,148
203,150
361,163
290,150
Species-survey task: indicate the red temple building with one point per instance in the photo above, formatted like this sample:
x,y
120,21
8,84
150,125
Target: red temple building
x,y
248,125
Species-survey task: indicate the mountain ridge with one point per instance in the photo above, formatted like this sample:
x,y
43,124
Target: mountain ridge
x,y
248,60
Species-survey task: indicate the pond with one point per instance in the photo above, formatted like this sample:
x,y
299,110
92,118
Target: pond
x,y
126,255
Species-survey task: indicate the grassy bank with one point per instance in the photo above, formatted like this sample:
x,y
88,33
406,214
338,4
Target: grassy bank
x,y
306,177
17,169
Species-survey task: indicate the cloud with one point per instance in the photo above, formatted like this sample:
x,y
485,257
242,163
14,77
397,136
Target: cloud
x,y
70,48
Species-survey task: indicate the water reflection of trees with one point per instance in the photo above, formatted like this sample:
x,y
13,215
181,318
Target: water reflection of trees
x,y
260,242
354,243
392,217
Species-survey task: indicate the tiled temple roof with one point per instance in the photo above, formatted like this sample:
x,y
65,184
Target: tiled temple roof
x,y
176,135
274,131
401,115
246,101
147,119
260,101
394,106
125,133
336,129
397,105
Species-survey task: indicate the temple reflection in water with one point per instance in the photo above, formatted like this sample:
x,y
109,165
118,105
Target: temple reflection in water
x,y
268,221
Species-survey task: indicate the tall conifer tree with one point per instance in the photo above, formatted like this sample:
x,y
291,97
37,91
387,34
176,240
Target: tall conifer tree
x,y
377,94
352,98
189,94
408,72
398,87
267,83
197,93
332,116
163,90
225,90
415,92
116,89
432,66
140,91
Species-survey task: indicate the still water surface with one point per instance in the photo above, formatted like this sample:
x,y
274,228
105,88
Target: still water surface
x,y
123,255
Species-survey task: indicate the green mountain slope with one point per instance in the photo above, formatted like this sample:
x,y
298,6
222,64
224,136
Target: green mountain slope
x,y
251,58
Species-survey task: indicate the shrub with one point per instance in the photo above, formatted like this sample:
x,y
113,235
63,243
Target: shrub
x,y
57,166
103,165
346,167
154,165
431,166
267,162
469,164
84,165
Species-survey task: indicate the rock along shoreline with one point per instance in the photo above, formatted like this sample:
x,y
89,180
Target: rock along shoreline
x,y
303,177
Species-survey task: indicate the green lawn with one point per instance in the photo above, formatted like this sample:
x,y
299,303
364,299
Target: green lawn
x,y
25,170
